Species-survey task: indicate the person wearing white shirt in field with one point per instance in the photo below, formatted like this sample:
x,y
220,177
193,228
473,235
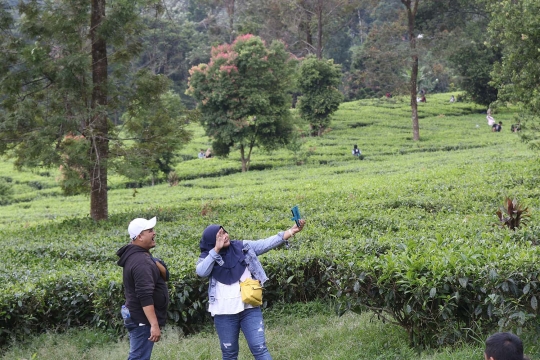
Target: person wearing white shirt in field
x,y
226,263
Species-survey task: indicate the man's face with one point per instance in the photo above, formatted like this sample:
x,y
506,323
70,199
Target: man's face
x,y
146,239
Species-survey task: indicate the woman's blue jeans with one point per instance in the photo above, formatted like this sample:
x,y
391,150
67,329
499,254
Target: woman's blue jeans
x,y
228,329
140,348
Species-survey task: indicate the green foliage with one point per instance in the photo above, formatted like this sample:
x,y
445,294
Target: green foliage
x,y
49,115
318,81
288,328
172,45
155,127
172,178
512,214
446,292
242,96
411,217
6,192
378,64
474,63
514,30
74,178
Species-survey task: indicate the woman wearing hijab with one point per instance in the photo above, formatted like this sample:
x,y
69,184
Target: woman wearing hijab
x,y
227,263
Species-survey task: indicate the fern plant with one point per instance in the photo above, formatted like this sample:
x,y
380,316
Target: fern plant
x,y
173,178
512,214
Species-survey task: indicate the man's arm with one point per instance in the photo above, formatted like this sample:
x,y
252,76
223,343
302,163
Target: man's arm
x,y
155,331
144,289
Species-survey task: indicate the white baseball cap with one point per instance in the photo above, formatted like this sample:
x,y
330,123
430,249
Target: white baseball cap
x,y
138,225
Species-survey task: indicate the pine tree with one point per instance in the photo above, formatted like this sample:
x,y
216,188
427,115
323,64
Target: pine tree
x,y
65,70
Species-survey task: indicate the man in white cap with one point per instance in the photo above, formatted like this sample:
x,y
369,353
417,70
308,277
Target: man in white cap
x,y
147,296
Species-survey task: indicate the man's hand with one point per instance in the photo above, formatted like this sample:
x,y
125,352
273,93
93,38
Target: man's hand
x,y
163,271
155,333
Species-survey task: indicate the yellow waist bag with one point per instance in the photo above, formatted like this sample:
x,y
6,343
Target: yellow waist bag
x,y
251,292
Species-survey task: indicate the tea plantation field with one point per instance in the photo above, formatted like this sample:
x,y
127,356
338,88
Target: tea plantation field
x,y
408,232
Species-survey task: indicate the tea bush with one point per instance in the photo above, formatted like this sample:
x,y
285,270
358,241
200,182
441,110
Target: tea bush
x,y
407,232
448,291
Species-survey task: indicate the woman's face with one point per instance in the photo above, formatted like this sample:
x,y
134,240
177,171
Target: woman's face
x,y
222,233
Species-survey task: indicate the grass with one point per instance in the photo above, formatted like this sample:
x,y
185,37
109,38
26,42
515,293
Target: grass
x,y
294,331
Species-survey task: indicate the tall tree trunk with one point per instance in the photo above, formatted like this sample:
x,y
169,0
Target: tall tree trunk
x,y
360,27
414,103
412,7
319,28
99,127
243,158
246,159
307,26
230,12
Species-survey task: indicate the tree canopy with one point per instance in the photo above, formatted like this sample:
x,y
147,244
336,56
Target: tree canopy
x,y
318,81
243,97
515,29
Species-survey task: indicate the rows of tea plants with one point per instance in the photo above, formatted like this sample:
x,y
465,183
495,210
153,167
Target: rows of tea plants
x,y
408,232
379,127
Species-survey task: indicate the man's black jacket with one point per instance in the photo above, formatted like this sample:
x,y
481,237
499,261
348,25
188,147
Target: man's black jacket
x,y
143,284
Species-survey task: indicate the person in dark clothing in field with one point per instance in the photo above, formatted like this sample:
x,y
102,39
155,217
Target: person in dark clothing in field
x,y
356,151
146,292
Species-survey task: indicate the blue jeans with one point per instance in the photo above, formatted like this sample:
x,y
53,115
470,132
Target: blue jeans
x,y
228,329
140,348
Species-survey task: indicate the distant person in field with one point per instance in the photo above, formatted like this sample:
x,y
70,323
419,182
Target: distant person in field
x,y
490,119
423,99
227,263
356,151
201,154
388,95
504,346
147,295
208,153
452,99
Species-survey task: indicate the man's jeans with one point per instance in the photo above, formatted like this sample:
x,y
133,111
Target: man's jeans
x,y
140,348
228,329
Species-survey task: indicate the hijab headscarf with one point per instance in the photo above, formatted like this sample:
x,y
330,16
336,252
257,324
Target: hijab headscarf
x,y
232,255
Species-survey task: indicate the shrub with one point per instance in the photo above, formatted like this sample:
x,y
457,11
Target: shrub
x,y
35,184
173,178
318,81
6,193
442,295
59,301
512,214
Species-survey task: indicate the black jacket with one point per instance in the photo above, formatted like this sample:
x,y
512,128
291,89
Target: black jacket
x,y
143,284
